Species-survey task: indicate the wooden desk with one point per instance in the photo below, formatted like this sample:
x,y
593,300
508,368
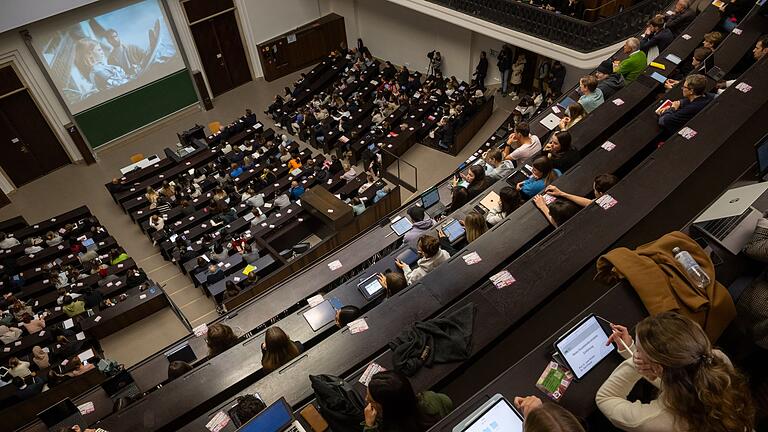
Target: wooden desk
x,y
133,309
322,204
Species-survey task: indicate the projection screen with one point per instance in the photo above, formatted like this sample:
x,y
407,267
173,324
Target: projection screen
x,y
98,52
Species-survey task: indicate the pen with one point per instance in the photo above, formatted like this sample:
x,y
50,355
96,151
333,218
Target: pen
x,y
624,344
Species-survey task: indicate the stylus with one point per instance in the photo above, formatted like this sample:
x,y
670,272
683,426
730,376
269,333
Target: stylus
x,y
624,344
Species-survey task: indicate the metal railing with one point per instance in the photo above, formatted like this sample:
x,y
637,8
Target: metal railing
x,y
560,29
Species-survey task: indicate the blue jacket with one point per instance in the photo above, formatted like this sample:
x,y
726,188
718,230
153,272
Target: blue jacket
x,y
236,172
533,186
296,192
673,120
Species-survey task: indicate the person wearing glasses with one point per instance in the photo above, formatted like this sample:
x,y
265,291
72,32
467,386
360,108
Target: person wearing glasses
x,y
695,98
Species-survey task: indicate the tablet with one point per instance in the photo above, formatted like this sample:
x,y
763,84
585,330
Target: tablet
x,y
370,287
584,346
496,415
320,315
401,226
453,230
659,77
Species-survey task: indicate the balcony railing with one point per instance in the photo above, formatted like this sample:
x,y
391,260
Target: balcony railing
x,y
560,29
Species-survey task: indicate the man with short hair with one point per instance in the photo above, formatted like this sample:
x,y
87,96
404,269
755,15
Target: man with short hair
x,y
608,82
680,17
421,224
127,56
500,168
591,96
632,66
761,47
521,144
656,35
695,98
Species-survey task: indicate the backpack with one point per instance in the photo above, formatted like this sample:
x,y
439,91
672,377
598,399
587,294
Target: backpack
x,y
109,367
340,405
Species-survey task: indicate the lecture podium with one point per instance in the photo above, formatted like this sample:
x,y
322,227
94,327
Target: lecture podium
x,y
322,204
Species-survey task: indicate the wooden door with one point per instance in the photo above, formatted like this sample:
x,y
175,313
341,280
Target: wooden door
x,y
221,52
211,57
232,49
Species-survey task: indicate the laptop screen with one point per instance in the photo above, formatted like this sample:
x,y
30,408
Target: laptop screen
x,y
118,382
273,419
430,198
183,352
58,413
762,156
500,416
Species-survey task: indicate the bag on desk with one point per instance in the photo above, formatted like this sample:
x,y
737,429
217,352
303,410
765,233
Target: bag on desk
x,y
339,404
109,367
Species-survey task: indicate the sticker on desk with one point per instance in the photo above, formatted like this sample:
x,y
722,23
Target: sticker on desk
x,y
142,297
80,336
554,380
502,279
236,279
736,31
6,349
97,319
57,308
315,300
358,326
119,266
86,408
36,226
687,133
608,146
472,258
42,333
200,330
370,371
743,87
549,199
218,422
686,36
606,201
17,343
335,265
618,102
555,109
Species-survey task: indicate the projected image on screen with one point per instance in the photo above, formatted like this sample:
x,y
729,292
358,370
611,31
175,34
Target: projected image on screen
x,y
100,57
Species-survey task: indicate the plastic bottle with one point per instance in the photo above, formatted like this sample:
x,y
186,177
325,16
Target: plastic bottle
x,y
695,273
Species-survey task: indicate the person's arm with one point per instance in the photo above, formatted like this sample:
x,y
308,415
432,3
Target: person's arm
x,y
757,246
541,204
556,192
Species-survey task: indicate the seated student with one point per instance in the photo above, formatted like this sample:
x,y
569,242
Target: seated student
x,y
116,256
349,171
72,307
178,368
656,35
32,324
600,186
52,238
700,390
509,201
296,190
521,144
7,242
249,255
393,282
474,226
254,199
558,211
370,181
560,152
230,290
28,388
282,201
9,335
278,349
392,405
220,338
500,167
218,254
686,68
156,222
681,16
32,245
632,66
459,197
18,368
591,96
608,81
431,257
40,357
543,174
421,225
573,115
235,170
546,417
475,176
357,206
247,407
215,274
346,315
695,98
77,367
294,163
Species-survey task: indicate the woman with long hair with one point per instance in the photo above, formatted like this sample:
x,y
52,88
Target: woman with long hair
x,y
700,390
220,338
546,417
543,174
509,201
474,226
560,151
394,407
278,349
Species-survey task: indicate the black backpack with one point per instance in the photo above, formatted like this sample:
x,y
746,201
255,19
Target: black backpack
x,y
340,405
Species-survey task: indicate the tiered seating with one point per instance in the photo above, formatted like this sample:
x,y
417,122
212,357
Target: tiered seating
x,y
117,295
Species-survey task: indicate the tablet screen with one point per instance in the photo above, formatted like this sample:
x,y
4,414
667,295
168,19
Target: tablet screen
x,y
453,230
372,286
584,346
499,417
401,226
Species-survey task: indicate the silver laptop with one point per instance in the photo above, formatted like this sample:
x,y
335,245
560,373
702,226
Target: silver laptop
x,y
731,220
496,415
551,121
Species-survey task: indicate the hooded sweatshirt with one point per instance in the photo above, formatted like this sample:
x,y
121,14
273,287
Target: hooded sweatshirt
x,y
504,169
419,228
425,265
611,85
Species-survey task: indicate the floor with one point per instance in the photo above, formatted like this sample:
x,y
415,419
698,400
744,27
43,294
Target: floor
x,y
80,184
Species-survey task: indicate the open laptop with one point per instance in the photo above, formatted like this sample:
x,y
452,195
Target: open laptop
x,y
496,415
320,315
183,352
62,415
551,121
277,417
120,386
711,70
430,202
731,220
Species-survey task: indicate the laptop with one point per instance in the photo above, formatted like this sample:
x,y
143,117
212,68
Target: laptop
x,y
711,70
430,202
495,415
551,121
88,243
518,176
566,102
62,415
86,355
731,219
277,417
370,287
320,315
120,386
490,201
183,352
761,153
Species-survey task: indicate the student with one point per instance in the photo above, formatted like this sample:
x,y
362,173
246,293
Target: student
x,y
156,222
72,307
546,417
474,226
40,357
700,390
695,98
278,349
459,197
370,181
635,62
600,186
53,239
560,152
392,405
248,406
393,282
294,163
117,256
18,368
220,338
357,206
346,315
543,174
296,191
421,225
500,167
235,170
77,367
573,115
230,290
432,256
509,201
9,335
7,242
477,181
558,211
215,274
32,325
609,82
249,255
28,388
219,253
591,96
178,368
521,144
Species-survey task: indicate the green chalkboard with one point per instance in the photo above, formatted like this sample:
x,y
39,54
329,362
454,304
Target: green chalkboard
x,y
138,108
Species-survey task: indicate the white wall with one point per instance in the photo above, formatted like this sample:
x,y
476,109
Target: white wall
x,y
484,43
17,13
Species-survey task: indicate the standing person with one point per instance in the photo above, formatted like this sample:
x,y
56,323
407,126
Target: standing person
x,y
481,71
556,78
504,63
517,74
700,390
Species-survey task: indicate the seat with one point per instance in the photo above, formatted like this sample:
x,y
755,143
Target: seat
x,y
214,126
137,157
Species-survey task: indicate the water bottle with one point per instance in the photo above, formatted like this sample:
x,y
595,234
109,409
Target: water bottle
x,y
695,273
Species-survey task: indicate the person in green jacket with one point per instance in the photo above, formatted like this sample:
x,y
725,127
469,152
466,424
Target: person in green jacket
x,y
394,407
72,307
117,256
632,66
